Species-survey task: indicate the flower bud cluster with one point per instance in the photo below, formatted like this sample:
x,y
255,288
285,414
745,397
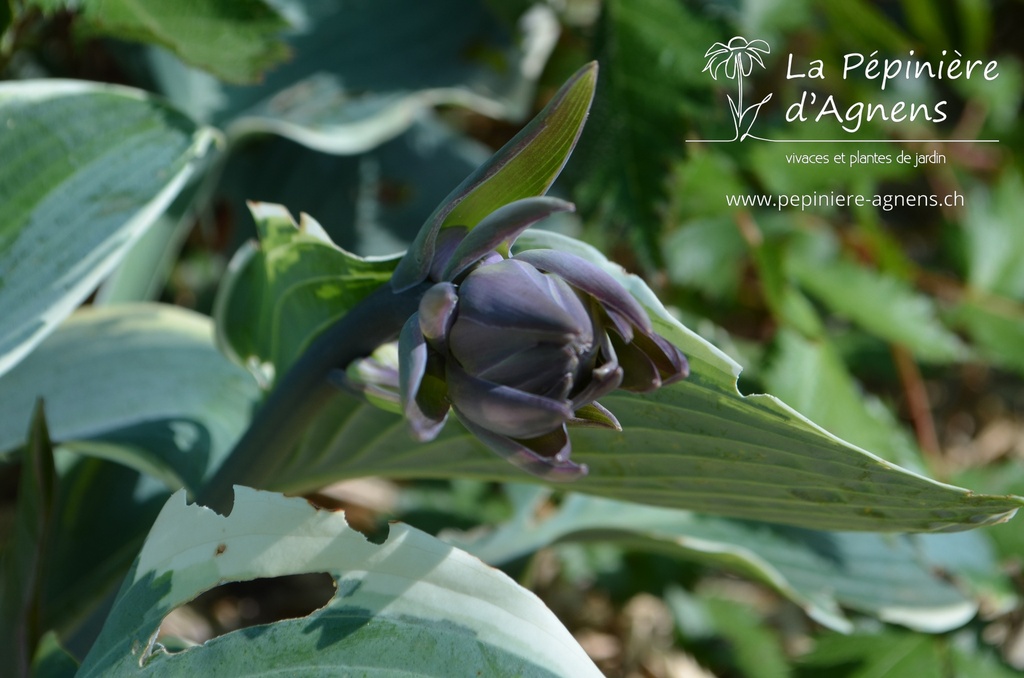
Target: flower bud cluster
x,y
520,347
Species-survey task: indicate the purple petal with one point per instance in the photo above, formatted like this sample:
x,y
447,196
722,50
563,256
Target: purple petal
x,y
546,457
671,361
502,409
514,295
437,311
640,374
602,381
649,362
499,229
589,278
620,324
422,397
444,246
511,359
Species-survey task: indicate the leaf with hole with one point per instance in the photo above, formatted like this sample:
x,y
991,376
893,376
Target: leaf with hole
x,y
393,599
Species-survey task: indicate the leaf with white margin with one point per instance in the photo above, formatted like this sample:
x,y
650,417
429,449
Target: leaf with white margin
x,y
361,73
278,294
393,600
87,169
141,384
888,576
697,444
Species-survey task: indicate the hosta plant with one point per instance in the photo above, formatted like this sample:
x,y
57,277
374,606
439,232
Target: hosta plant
x,y
489,340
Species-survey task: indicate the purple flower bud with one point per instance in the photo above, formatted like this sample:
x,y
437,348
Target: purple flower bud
x,y
520,347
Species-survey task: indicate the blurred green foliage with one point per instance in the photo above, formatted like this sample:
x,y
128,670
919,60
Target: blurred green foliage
x,y
899,329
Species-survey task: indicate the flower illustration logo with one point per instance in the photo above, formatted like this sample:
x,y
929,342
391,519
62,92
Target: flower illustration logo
x,y
736,60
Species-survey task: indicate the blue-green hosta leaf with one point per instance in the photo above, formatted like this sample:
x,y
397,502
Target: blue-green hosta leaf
x,y
87,169
696,445
146,267
139,385
278,294
390,187
160,397
361,72
393,600
882,575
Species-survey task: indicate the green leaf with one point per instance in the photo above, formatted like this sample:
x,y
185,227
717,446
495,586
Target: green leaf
x,y
994,243
651,91
754,648
361,73
526,166
980,662
52,660
279,294
707,254
865,655
696,445
788,303
88,169
103,511
862,24
698,184
811,377
24,562
882,305
822,572
393,600
236,40
995,325
161,399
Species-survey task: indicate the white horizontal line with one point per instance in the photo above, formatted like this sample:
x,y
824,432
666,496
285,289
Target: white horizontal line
x,y
851,141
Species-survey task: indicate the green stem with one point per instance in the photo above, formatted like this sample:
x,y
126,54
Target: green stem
x,y
304,391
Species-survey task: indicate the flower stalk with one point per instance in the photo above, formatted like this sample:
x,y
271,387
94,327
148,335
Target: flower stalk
x,y
305,389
